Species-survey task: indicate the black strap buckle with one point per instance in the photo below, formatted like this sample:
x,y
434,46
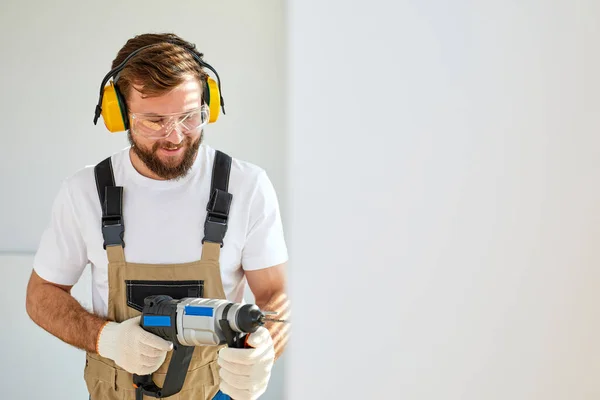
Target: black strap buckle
x,y
215,228
113,230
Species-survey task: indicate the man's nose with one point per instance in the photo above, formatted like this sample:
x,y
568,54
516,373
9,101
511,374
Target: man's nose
x,y
175,135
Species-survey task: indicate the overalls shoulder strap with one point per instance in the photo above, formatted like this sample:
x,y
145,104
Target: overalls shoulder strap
x,y
111,202
215,226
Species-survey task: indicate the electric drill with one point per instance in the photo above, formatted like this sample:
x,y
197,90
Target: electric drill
x,y
193,322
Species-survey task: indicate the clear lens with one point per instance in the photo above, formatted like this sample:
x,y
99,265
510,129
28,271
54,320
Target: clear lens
x,y
160,126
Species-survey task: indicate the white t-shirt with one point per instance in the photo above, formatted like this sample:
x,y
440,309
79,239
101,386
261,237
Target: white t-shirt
x,y
164,223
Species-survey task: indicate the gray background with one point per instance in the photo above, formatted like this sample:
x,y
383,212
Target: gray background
x,y
439,179
445,203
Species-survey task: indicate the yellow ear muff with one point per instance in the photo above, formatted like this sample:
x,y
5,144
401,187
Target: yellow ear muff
x,y
112,114
213,99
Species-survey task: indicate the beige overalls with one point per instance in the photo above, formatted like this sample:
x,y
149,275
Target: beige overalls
x,y
130,283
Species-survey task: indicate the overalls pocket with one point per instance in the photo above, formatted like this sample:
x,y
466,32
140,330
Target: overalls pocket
x,y
138,290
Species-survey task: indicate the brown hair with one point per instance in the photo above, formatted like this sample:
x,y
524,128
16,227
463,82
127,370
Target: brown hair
x,y
159,68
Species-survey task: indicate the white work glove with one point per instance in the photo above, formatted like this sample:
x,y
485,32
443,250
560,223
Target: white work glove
x,y
245,373
131,347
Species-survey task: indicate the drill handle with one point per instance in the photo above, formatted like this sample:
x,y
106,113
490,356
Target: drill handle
x,y
176,373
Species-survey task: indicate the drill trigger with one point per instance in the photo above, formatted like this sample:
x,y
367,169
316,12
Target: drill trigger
x,y
230,336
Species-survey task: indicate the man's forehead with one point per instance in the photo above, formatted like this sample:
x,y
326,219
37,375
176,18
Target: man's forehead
x,y
184,97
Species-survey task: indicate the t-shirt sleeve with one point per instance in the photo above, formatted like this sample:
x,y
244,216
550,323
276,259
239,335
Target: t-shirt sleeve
x,y
61,256
265,243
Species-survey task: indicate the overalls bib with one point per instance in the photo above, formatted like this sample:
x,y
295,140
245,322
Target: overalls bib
x,y
129,283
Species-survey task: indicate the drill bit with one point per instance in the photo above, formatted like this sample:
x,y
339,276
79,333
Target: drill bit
x,y
275,320
264,318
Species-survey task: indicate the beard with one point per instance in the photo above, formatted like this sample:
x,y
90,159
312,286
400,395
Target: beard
x,y
170,171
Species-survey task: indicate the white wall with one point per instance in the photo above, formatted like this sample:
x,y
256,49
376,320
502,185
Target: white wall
x,y
54,56
445,199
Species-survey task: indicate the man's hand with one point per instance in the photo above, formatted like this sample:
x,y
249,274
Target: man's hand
x,y
131,347
245,373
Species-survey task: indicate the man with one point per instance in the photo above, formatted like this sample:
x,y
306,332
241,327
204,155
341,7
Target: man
x,y
139,218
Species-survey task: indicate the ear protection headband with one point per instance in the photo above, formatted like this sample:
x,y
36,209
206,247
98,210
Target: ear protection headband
x,y
111,104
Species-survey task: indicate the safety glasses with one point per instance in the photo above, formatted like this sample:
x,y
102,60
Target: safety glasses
x,y
155,126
